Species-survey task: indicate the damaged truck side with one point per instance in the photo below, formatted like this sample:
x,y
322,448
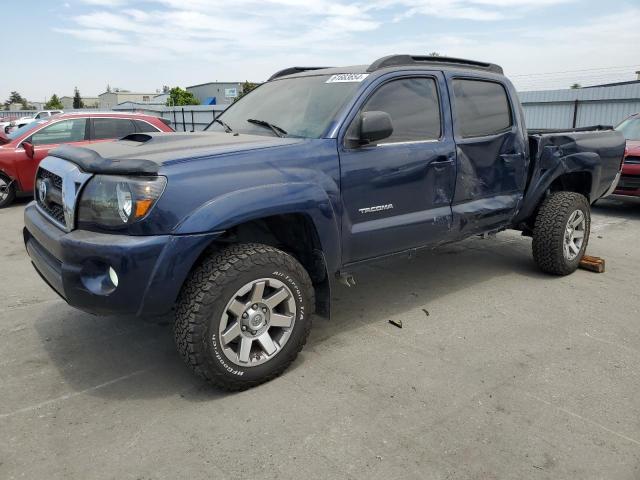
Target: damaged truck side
x,y
241,230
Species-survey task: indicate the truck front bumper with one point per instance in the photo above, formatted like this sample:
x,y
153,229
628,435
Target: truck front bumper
x,y
111,274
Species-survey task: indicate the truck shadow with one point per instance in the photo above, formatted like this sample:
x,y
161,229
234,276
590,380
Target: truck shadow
x,y
122,357
394,287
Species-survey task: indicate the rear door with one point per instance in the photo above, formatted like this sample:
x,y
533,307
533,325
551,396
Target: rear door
x,y
491,154
397,194
105,128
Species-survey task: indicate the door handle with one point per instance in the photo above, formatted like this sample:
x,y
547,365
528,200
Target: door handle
x,y
441,162
511,157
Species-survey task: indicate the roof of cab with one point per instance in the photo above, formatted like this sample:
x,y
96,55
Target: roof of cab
x,y
394,62
103,114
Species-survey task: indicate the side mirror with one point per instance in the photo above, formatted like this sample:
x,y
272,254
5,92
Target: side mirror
x,y
28,148
374,126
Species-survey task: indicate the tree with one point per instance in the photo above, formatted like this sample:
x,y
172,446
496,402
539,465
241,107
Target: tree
x,y
434,54
14,97
77,99
178,96
108,88
575,86
246,88
54,103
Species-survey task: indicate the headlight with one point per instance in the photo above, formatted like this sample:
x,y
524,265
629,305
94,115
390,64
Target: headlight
x,y
114,201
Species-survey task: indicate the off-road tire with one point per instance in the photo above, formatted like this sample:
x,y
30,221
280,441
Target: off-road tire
x,y
204,297
8,200
549,230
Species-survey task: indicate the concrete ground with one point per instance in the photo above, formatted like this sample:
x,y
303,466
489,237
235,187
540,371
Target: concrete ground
x,y
498,372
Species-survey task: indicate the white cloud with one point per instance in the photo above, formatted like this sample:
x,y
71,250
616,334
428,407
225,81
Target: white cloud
x,y
94,35
478,10
106,3
271,34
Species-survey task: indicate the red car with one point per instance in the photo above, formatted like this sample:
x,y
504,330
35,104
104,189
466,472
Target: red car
x,y
629,183
22,150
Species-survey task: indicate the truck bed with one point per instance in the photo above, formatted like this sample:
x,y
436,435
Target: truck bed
x,y
592,128
594,153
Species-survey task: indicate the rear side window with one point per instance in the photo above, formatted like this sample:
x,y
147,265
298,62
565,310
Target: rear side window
x,y
482,108
414,108
107,128
144,127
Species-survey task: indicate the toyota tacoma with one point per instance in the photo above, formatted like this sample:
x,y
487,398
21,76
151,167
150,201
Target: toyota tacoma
x,y
240,231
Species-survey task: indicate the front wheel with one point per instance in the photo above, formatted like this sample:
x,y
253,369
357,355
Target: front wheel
x,y
7,192
561,232
243,315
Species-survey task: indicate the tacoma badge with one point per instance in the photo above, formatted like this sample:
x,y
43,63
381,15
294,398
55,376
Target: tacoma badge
x,y
378,208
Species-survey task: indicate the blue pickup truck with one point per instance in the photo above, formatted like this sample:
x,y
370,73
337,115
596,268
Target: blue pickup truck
x,y
241,230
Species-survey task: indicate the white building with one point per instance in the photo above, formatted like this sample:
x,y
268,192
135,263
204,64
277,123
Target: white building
x,y
89,102
108,100
216,93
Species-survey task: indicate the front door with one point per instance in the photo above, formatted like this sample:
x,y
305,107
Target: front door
x,y
71,131
397,194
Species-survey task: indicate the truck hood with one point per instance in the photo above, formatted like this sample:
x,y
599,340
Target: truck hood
x,y
147,152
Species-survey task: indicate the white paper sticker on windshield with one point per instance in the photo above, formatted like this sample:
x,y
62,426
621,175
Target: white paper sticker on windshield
x,y
347,77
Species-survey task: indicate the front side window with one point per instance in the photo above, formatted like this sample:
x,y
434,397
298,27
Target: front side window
x,y
65,131
481,108
109,128
24,129
414,108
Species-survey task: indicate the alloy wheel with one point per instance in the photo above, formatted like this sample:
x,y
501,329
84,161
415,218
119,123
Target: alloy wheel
x,y
574,235
257,322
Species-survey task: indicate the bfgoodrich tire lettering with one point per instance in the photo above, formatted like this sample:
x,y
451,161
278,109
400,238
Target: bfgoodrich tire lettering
x,y
552,229
204,302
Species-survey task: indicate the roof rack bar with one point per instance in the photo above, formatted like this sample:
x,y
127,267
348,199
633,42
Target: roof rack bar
x,y
407,60
291,71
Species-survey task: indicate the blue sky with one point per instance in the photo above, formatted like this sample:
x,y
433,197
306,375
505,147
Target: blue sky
x,y
140,45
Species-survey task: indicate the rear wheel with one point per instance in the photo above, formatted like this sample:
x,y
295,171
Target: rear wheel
x,y
561,232
7,191
243,315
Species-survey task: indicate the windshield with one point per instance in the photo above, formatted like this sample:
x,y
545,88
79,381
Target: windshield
x,y
302,107
29,126
630,128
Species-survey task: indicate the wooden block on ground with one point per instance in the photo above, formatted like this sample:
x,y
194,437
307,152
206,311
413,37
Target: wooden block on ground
x,y
593,264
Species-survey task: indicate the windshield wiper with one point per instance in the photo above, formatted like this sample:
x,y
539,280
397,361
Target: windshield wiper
x,y
274,128
227,128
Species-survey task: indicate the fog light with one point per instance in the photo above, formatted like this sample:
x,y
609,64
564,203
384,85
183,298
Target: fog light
x,y
113,276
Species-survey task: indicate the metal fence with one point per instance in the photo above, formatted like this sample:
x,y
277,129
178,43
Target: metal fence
x,y
191,118
14,114
583,107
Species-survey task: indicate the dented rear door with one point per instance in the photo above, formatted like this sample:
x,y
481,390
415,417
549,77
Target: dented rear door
x,y
491,153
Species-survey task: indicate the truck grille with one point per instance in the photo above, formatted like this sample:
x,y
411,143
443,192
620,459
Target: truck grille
x,y
51,201
58,184
632,160
56,180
